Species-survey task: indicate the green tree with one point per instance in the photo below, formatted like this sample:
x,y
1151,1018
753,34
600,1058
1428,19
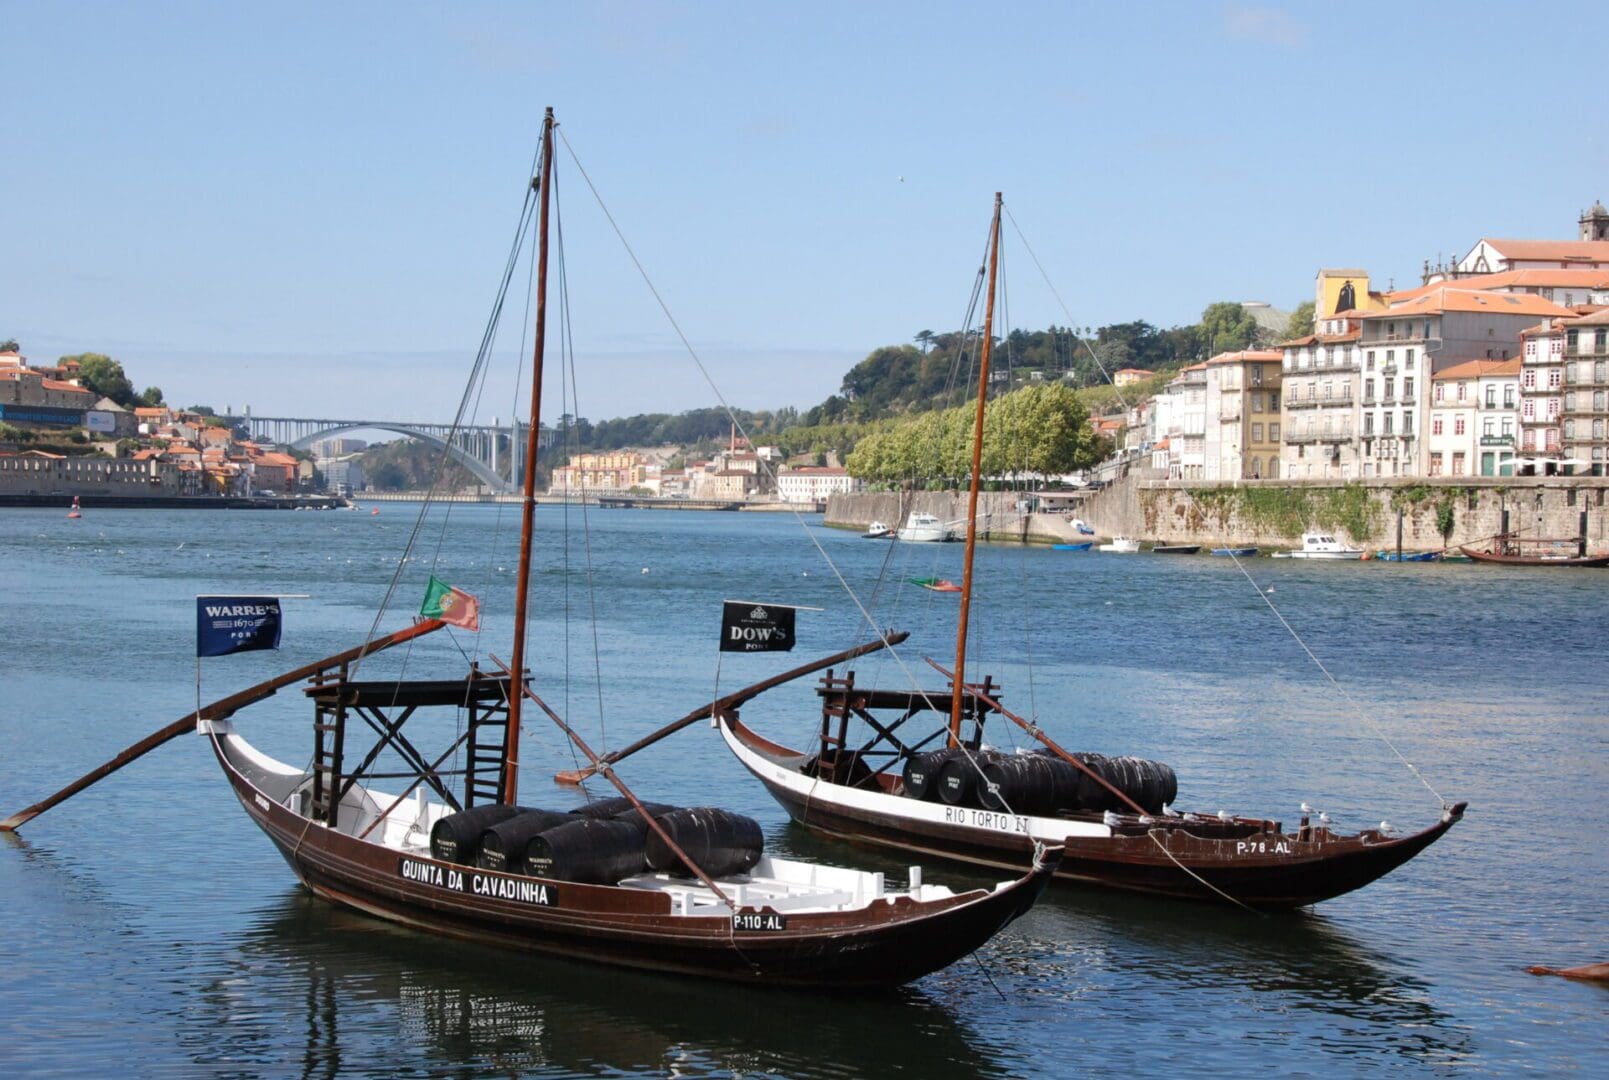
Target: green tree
x,y
1301,321
10,345
151,396
103,375
1227,327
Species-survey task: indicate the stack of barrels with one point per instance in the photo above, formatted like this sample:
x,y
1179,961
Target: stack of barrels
x,y
600,843
1040,783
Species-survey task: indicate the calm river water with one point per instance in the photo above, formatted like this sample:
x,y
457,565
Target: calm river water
x,y
152,929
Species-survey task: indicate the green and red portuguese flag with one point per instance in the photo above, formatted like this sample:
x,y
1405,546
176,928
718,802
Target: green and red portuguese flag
x,y
450,605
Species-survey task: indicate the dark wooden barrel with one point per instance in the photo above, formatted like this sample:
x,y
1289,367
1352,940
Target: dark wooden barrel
x,y
619,806
1028,784
720,842
503,846
595,851
922,773
958,777
456,837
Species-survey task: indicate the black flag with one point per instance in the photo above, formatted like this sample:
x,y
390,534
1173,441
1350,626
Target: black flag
x,y
756,627
231,624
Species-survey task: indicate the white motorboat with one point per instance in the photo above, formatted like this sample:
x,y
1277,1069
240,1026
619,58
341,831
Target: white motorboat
x,y
1123,545
1321,546
924,528
878,530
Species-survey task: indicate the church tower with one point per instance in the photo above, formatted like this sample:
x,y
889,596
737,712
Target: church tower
x,y
1595,223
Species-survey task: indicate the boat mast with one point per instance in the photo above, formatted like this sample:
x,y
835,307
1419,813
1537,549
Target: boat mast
x,y
958,682
511,737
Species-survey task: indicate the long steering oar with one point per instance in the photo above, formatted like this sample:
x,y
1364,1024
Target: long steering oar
x,y
218,710
730,701
1034,730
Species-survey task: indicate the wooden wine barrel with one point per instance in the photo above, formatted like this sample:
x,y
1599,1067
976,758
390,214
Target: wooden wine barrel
x,y
720,842
503,846
595,851
456,837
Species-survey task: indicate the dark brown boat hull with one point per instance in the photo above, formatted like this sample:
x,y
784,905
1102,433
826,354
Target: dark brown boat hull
x,y
1268,871
883,945
1534,560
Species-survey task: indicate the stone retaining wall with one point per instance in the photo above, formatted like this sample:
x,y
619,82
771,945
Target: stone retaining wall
x,y
1274,513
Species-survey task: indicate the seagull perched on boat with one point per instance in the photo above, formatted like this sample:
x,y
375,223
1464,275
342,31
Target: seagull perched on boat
x,y
1306,809
1223,815
1109,819
1387,829
1324,819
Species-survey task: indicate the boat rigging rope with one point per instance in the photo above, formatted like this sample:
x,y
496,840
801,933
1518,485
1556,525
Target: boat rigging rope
x,y
1357,706
572,395
687,344
1152,834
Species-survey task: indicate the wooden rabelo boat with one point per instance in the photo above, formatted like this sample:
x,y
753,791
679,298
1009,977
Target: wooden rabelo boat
x,y
1511,549
1111,822
774,921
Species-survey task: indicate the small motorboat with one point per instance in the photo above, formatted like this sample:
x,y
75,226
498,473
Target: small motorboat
x,y
1176,549
1321,546
1081,527
1121,545
1408,556
1085,546
878,530
924,528
1235,553
934,584
74,513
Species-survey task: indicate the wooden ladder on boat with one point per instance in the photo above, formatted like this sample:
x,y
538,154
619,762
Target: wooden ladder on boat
x,y
329,744
834,707
488,726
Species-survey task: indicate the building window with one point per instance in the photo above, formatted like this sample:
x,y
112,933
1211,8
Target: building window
x,y
1368,389
1571,342
1441,392
1327,391
1368,423
1368,359
1387,419
1391,357
1569,401
1312,390
1554,376
1458,425
1528,409
1435,426
1463,391
1407,422
1458,463
1600,368
1407,357
1435,463
1508,396
1488,427
1257,433
1528,379
1407,386
1569,429
1273,432
1597,401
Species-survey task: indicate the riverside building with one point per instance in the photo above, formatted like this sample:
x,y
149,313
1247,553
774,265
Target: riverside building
x,y
1474,417
1319,406
1584,415
1241,417
1407,343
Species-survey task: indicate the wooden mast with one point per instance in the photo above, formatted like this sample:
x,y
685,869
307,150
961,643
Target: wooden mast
x,y
957,685
511,738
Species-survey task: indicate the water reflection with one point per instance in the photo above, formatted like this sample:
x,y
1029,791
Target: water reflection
x,y
1079,946
366,996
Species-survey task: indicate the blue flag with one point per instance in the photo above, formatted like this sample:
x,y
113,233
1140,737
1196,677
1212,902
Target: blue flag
x,y
231,624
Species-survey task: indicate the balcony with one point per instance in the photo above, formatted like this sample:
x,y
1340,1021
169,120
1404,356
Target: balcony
x,y
1292,403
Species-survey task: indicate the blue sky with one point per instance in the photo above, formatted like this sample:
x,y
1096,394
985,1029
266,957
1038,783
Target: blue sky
x,y
305,208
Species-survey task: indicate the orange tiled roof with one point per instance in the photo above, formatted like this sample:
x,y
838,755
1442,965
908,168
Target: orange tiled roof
x,y
1534,278
1263,355
1445,298
1474,369
1552,250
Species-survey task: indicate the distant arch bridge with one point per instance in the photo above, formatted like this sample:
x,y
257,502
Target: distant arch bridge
x,y
491,453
